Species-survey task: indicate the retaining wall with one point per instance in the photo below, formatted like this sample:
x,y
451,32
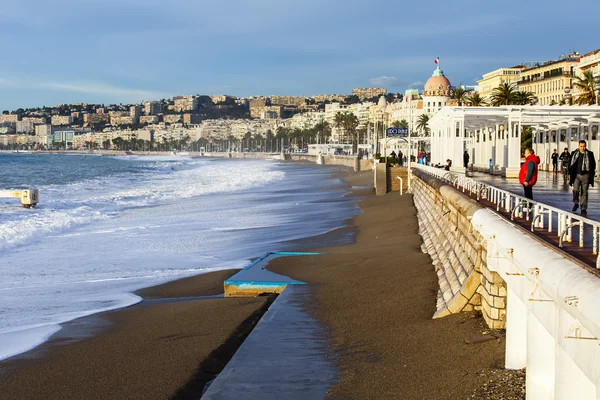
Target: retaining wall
x,y
458,251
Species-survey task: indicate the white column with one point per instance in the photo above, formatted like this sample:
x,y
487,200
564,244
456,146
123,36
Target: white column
x,y
570,381
516,330
540,377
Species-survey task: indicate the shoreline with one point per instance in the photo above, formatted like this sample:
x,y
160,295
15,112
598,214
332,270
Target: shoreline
x,y
376,298
167,346
58,366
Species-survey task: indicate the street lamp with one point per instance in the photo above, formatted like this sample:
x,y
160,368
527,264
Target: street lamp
x,y
597,86
568,95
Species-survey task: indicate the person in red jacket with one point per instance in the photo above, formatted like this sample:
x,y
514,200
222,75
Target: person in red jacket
x,y
529,172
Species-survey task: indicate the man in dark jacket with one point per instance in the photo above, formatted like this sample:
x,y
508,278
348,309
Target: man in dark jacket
x,y
466,159
581,175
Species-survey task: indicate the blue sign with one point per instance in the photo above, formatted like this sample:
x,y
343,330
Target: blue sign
x,y
396,132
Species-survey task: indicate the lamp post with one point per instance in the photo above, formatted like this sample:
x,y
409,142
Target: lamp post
x,y
568,97
597,87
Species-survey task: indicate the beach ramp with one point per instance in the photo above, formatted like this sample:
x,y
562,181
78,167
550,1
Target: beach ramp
x,y
255,280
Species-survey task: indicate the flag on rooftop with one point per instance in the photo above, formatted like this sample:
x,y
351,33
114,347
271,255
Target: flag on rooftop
x,y
437,60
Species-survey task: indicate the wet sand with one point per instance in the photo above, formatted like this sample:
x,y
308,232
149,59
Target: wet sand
x,y
377,298
153,350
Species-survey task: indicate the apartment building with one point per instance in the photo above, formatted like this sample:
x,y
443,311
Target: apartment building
x,y
135,111
43,130
152,107
296,101
35,120
321,98
62,120
148,119
368,93
361,110
493,79
24,127
257,106
588,62
549,80
89,119
192,119
172,118
185,103
9,118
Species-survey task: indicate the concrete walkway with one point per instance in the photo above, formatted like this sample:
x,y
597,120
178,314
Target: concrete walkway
x,y
549,189
285,356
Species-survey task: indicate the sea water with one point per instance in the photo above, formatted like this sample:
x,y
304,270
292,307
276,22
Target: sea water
x,y
107,226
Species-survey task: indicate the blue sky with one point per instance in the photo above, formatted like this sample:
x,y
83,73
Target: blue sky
x,y
122,51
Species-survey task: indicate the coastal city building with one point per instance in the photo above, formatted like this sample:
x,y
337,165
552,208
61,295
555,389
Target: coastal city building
x,y
192,119
172,118
89,119
62,120
148,119
185,103
34,120
288,100
549,80
135,111
26,127
321,98
492,80
9,118
221,98
152,107
588,62
368,93
257,106
360,110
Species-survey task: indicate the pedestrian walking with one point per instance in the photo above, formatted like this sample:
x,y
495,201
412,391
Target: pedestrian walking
x,y
554,162
466,159
582,170
529,172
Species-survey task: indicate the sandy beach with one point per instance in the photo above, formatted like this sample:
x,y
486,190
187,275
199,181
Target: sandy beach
x,y
377,298
158,349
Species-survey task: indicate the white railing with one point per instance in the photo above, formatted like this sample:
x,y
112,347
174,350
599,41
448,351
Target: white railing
x,y
541,216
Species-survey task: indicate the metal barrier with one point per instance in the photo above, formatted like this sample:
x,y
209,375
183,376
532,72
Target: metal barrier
x,y
29,197
542,216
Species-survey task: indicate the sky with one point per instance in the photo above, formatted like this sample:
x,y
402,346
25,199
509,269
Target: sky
x,y
128,51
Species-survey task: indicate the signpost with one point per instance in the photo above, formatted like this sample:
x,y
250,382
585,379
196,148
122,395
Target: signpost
x,y
396,132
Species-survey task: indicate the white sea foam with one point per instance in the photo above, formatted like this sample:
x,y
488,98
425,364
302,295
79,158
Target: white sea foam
x,y
93,241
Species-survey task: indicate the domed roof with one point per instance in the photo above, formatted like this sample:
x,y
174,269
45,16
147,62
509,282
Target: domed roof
x,y
382,102
437,84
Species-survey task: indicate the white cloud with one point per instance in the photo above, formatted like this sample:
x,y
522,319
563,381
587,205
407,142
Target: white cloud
x,y
384,81
416,84
6,83
93,88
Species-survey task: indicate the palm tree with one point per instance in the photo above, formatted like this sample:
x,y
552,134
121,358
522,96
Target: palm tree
x,y
403,124
339,121
503,95
459,94
350,124
525,98
586,88
423,124
475,100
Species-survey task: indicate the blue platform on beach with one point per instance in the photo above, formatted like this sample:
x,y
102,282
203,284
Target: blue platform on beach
x,y
284,357
255,279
